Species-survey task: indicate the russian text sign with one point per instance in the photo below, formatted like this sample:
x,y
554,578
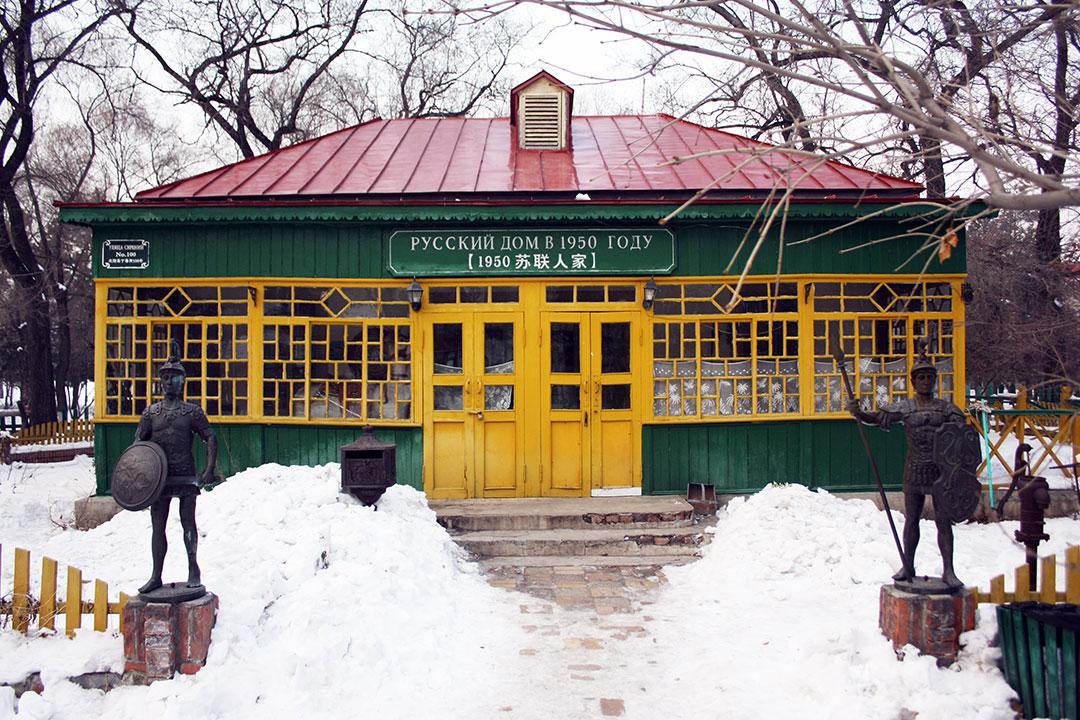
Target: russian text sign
x,y
573,251
125,254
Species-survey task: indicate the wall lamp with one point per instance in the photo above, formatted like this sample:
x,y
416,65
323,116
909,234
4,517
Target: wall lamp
x,y
415,294
650,294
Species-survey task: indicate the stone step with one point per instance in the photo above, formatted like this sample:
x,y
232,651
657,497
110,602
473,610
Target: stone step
x,y
621,541
563,513
585,561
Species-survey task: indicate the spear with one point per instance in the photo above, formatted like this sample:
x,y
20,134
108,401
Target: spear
x,y
838,355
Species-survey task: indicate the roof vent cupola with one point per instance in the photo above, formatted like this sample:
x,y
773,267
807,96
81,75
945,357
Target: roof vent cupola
x,y
540,110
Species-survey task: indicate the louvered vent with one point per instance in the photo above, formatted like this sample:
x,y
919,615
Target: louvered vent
x,y
542,122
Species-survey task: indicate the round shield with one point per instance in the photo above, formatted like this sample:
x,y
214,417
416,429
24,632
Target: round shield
x,y
139,476
958,455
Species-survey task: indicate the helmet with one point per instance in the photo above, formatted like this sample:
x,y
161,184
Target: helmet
x,y
172,365
922,360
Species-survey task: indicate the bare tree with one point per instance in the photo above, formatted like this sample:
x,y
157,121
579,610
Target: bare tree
x,y
1010,334
249,66
36,40
439,66
852,77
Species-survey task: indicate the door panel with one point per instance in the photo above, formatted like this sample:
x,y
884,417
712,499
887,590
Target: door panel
x,y
447,431
616,429
496,411
472,429
565,408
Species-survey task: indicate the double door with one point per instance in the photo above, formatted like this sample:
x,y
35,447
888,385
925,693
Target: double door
x,y
557,416
590,420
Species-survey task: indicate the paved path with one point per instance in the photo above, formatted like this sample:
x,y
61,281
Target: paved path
x,y
582,623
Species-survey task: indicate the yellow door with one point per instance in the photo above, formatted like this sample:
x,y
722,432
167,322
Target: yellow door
x,y
473,434
590,424
616,427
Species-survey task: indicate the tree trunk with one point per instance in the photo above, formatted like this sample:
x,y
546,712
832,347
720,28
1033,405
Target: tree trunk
x,y
37,344
933,167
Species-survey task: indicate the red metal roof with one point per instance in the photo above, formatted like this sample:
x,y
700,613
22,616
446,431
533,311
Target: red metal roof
x,y
629,157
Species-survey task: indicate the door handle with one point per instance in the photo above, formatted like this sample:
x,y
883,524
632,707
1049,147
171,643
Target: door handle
x,y
478,413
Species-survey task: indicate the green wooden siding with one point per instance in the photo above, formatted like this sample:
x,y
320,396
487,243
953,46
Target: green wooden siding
x,y
744,457
355,250
244,446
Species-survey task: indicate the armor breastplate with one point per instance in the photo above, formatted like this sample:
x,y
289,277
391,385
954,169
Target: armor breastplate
x,y
171,428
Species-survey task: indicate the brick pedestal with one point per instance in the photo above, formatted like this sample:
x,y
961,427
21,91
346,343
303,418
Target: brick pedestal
x,y
932,623
163,638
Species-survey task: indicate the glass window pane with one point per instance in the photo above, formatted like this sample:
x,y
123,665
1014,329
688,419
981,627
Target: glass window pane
x,y
560,293
615,347
499,397
498,348
565,397
474,294
447,351
590,293
565,347
622,293
448,397
501,294
439,295
615,397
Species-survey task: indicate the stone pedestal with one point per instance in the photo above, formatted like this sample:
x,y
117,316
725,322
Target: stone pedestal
x,y
163,638
931,622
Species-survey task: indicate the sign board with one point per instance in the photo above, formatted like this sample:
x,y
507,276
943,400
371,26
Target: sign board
x,y
125,254
532,251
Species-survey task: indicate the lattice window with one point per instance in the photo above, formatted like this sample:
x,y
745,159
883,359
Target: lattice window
x,y
879,351
883,297
215,357
705,298
127,353
349,370
335,302
713,368
177,301
209,324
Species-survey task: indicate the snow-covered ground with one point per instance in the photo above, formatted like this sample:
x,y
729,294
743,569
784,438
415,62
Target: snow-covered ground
x,y
332,610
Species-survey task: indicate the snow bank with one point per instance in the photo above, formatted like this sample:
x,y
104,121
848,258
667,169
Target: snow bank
x,y
779,619
328,609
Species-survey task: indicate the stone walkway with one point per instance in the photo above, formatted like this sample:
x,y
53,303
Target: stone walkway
x,y
605,590
580,619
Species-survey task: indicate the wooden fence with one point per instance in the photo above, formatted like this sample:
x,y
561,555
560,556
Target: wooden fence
x,y
23,609
1052,432
55,433
1047,591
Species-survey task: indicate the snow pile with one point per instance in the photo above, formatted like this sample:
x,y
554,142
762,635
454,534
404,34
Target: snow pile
x,y
37,501
779,620
328,609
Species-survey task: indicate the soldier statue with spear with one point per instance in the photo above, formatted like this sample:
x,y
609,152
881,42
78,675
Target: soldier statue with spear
x,y
943,454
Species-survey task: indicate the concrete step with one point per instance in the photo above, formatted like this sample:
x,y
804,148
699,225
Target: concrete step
x,y
621,541
585,561
563,513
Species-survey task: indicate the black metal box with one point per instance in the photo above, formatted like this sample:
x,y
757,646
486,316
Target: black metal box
x,y
368,467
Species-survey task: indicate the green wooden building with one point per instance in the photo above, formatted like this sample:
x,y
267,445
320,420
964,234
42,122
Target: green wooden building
x,y
524,305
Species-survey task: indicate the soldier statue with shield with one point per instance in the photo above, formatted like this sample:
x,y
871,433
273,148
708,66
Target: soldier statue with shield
x,y
160,465
943,454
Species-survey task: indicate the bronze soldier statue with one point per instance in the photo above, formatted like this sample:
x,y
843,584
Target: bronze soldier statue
x,y
172,424
938,463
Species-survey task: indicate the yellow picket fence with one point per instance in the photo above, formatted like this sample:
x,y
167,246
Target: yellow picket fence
x,y
23,608
1047,591
55,433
